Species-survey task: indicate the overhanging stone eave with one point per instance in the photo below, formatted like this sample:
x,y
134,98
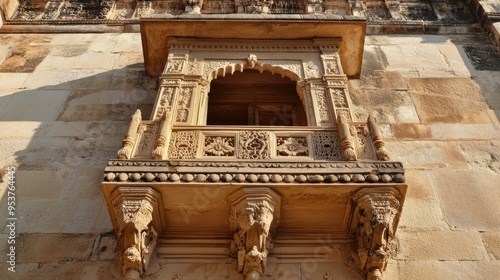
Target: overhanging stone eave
x,y
155,31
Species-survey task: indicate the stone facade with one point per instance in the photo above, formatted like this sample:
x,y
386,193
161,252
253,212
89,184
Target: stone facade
x,y
68,100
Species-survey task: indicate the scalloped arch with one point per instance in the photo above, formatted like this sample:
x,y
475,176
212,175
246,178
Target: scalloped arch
x,y
274,69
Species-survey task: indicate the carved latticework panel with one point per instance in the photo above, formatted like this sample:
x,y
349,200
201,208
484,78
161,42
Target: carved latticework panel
x,y
326,145
183,144
254,145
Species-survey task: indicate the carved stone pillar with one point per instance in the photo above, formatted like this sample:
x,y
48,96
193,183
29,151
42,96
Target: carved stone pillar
x,y
137,222
254,214
374,225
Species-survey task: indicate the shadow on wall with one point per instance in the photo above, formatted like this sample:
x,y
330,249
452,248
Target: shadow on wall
x,y
58,129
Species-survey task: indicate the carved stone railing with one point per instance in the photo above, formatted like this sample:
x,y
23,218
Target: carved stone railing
x,y
157,140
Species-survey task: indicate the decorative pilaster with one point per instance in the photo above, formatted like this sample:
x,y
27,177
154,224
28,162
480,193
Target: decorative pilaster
x,y
374,224
137,222
128,143
254,214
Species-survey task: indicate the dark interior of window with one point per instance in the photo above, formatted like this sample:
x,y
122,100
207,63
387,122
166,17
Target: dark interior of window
x,y
254,98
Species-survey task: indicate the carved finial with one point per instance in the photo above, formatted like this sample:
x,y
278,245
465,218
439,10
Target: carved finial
x,y
177,276
327,276
378,142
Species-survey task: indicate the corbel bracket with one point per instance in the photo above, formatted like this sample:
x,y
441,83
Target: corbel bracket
x,y
253,216
374,225
136,215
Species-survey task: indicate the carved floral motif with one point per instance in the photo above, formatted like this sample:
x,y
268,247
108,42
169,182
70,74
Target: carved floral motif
x,y
292,146
219,146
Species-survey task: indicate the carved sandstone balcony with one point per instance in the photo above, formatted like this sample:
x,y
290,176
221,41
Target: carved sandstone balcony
x,y
354,141
194,191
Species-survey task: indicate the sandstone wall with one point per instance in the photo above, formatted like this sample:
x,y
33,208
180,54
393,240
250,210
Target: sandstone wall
x,y
65,102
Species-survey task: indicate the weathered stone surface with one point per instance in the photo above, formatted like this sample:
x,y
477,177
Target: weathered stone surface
x,y
182,270
26,55
465,131
15,129
100,270
422,214
460,270
481,154
105,249
406,131
492,243
483,57
427,154
73,215
449,100
442,245
44,105
52,248
315,268
39,184
461,190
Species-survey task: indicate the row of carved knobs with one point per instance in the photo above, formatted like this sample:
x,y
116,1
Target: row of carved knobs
x,y
253,178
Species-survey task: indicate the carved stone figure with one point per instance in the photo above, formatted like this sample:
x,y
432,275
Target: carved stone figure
x,y
378,213
253,214
137,237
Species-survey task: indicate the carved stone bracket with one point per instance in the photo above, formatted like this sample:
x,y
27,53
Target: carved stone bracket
x,y
136,216
254,214
374,224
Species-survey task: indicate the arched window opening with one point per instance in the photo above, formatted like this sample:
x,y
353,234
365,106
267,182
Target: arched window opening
x,y
254,98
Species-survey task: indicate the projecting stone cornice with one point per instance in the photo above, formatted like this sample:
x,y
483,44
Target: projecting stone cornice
x,y
156,30
161,172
